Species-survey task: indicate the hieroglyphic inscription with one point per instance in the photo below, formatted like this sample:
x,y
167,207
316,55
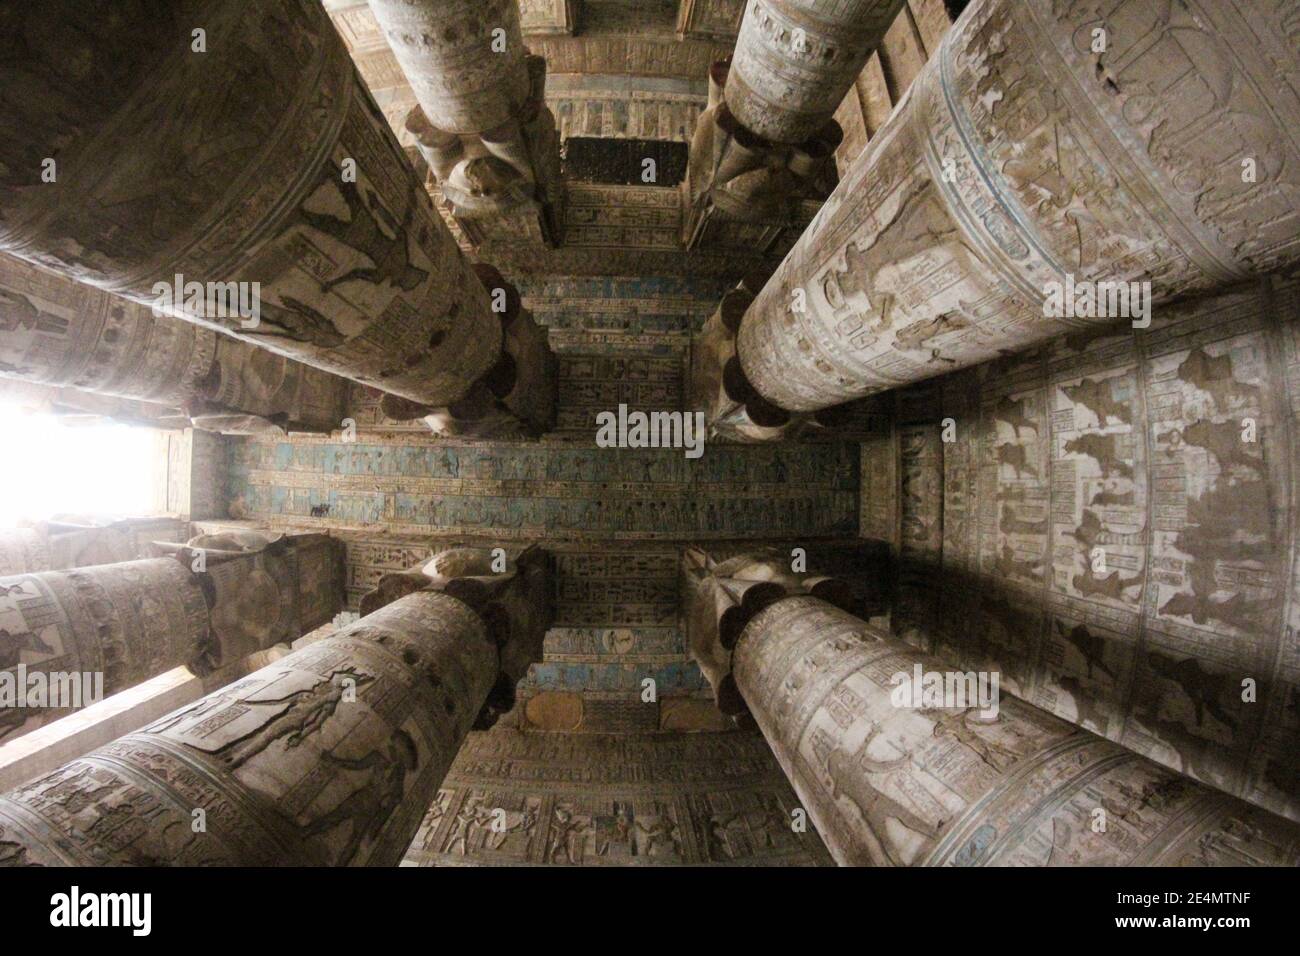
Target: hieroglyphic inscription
x,y
951,786
597,800
1127,558
1022,157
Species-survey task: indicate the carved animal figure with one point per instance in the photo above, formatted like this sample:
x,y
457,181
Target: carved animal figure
x,y
1087,710
1111,586
1205,689
1097,395
1012,412
1235,611
1089,645
1104,450
1011,523
1223,440
1008,565
1089,531
1213,374
1015,457
1108,496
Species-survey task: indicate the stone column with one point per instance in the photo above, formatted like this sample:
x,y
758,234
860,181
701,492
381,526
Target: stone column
x,y
73,406
795,60
892,779
233,142
517,398
23,550
512,594
721,594
57,332
481,118
78,541
762,158
1044,146
68,638
219,599
264,588
329,756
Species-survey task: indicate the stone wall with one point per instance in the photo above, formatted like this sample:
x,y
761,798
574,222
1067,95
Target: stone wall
x,y
643,800
1111,526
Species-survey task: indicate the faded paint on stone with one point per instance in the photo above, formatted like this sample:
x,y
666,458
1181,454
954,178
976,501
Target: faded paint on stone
x,y
1007,170
356,277
127,622
909,786
326,757
795,60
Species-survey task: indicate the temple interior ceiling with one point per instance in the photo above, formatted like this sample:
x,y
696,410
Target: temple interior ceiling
x,y
824,230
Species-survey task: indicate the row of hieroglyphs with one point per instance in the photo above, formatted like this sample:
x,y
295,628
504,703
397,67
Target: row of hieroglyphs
x,y
1107,521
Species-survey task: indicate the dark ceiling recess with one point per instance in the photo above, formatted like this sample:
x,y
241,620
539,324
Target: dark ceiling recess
x,y
622,162
955,7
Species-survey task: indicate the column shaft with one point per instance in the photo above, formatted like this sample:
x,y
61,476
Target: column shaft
x,y
57,332
216,601
327,757
74,634
73,406
796,59
481,119
23,550
947,786
258,160
517,398
77,542
1040,148
445,49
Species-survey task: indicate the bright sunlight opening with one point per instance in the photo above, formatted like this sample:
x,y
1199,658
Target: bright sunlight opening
x,y
72,469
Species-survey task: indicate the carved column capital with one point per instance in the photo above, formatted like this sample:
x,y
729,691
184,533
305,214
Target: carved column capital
x,y
262,587
738,182
722,595
510,592
480,118
516,398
